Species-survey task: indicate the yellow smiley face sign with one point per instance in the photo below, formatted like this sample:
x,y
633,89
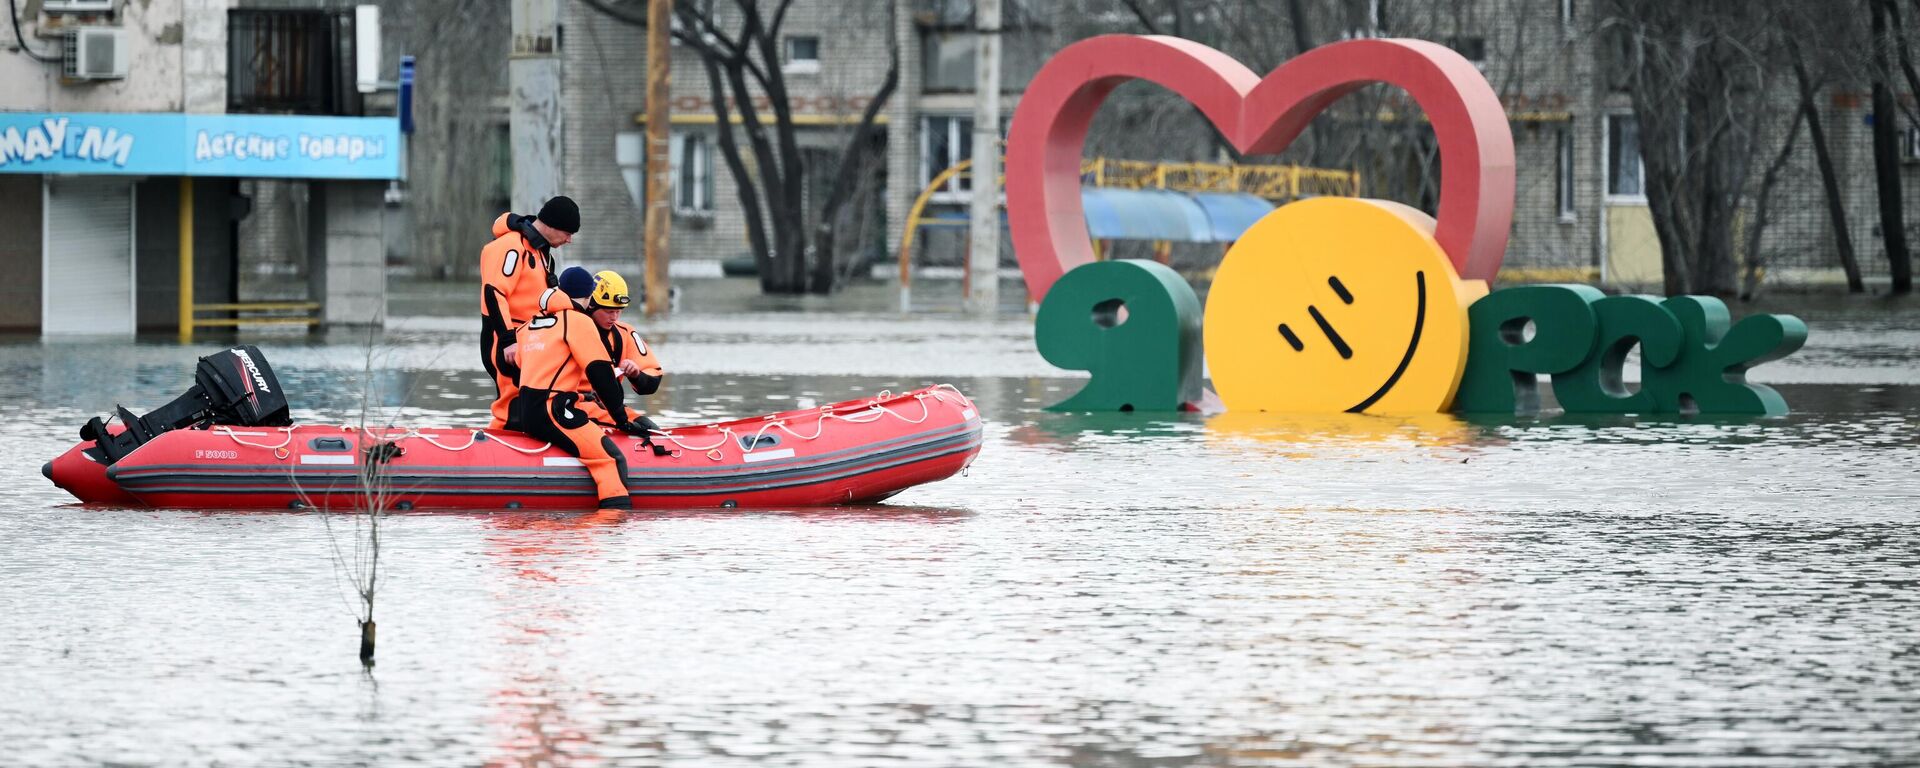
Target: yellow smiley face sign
x,y
1338,304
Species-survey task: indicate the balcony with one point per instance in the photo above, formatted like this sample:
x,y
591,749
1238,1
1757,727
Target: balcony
x,y
291,61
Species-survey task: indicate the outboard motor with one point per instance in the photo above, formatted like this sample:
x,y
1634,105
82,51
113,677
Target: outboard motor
x,y
234,386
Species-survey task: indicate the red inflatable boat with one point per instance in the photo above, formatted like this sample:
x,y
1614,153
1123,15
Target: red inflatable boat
x,y
858,451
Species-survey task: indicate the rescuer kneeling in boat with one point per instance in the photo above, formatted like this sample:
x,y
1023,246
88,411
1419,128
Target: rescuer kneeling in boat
x,y
632,357
562,360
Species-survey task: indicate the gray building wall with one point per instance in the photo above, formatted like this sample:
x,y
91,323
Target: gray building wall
x,y
156,30
604,75
21,219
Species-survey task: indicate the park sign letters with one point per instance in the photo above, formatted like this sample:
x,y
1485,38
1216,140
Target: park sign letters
x,y
1343,304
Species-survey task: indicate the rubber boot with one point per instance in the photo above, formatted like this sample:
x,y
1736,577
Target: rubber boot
x,y
617,502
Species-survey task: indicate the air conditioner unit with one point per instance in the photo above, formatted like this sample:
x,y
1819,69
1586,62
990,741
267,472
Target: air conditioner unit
x,y
95,53
77,6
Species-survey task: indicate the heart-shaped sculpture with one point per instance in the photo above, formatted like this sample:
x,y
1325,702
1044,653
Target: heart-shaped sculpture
x,y
1257,116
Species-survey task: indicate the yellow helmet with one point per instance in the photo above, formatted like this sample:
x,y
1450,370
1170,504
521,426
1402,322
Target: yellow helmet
x,y
609,291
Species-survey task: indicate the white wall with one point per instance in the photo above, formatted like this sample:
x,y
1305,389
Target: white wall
x,y
156,60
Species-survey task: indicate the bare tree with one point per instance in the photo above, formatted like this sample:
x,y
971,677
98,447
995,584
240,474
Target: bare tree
x,y
1762,208
1886,147
739,49
1698,76
1829,177
372,493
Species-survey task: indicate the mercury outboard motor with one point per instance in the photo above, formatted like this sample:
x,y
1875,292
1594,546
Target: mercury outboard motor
x,y
234,386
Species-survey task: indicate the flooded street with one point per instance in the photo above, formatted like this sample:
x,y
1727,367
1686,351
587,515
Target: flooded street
x,y
1097,590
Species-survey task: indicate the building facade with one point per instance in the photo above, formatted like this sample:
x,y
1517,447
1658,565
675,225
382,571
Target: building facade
x,y
133,138
1581,209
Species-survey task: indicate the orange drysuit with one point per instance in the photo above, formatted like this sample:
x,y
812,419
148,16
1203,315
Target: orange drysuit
x,y
562,358
516,283
624,343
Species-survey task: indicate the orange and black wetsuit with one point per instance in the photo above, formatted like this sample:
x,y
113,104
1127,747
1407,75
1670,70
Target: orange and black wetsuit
x,y
561,358
624,343
516,283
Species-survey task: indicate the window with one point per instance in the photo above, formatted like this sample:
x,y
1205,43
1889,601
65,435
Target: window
x,y
803,54
946,60
946,64
1368,18
692,173
629,153
1564,172
1626,175
298,61
1473,48
1620,53
945,141
690,163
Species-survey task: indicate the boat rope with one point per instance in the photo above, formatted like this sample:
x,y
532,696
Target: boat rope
x,y
473,436
726,433
874,411
529,451
286,438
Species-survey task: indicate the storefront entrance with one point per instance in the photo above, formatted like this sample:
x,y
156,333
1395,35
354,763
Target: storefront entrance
x,y
87,257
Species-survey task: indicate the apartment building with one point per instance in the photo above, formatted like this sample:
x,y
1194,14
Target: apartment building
x,y
132,136
1581,211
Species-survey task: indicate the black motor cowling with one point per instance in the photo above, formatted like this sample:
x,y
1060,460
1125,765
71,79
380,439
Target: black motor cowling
x,y
234,386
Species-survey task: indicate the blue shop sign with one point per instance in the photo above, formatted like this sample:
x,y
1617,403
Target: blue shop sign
x,y
173,144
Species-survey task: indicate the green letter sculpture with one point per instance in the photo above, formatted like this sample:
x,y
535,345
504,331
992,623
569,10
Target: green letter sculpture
x,y
1502,365
1598,384
1710,375
1135,325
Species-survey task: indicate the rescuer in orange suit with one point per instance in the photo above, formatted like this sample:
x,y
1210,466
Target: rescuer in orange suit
x,y
632,357
562,360
517,282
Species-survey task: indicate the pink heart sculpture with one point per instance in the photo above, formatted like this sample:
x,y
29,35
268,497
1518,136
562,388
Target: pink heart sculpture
x,y
1258,116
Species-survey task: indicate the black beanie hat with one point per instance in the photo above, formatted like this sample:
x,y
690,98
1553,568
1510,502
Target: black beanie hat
x,y
561,214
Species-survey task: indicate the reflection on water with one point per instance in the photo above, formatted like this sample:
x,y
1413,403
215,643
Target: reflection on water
x,y
1099,589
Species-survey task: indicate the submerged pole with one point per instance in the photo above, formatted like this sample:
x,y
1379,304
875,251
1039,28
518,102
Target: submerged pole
x,y
186,259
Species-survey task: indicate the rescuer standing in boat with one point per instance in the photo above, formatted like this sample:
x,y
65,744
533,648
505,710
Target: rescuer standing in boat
x,y
562,360
517,282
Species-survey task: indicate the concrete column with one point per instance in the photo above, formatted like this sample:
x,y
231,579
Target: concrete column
x,y
203,56
533,75
903,133
983,254
351,268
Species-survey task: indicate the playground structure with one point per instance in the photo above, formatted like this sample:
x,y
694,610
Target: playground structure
x,y
1162,202
1338,303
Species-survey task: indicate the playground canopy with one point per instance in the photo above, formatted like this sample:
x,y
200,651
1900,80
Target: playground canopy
x,y
1157,214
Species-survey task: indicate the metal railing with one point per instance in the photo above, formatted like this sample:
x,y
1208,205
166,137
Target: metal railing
x,y
1278,183
253,313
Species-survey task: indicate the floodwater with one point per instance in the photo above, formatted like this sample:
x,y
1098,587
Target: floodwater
x,y
1105,590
